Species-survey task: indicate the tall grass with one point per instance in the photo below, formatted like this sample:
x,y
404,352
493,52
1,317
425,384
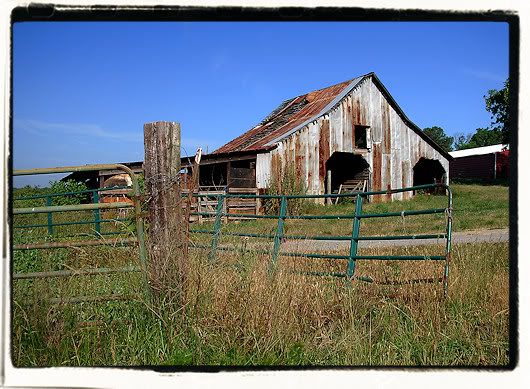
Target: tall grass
x,y
235,314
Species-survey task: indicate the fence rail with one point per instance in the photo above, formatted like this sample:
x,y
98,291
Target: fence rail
x,y
205,201
49,210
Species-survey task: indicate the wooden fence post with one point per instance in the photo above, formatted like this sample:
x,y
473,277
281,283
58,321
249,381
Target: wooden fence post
x,y
166,233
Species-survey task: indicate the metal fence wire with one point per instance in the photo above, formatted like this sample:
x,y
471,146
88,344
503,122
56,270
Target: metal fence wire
x,y
354,237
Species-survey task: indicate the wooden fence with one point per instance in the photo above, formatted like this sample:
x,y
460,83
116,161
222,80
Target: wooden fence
x,y
206,201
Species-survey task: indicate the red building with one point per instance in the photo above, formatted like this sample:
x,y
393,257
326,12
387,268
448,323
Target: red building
x,y
481,163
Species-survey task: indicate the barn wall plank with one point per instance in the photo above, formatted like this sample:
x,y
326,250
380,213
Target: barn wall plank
x,y
335,128
263,169
313,160
347,139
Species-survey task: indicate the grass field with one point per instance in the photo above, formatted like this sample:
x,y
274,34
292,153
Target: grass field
x,y
235,314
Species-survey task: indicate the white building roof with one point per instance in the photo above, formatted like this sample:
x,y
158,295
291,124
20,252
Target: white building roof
x,y
479,151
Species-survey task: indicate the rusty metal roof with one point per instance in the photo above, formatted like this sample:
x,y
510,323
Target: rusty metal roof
x,y
295,113
291,115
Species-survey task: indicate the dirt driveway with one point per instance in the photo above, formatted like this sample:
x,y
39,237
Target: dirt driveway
x,y
500,235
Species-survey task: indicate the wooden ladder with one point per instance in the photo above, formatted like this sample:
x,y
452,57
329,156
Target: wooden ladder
x,y
351,186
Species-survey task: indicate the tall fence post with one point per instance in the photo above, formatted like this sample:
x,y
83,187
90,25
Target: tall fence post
x,y
97,215
279,233
166,232
354,237
50,217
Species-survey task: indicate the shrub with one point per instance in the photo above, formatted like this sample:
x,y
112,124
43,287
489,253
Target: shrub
x,y
141,182
28,191
59,187
285,181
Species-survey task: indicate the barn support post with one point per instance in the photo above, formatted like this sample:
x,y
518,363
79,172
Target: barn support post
x,y
328,187
166,234
258,202
228,174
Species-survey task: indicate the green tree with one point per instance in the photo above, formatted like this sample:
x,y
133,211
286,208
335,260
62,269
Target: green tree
x,y
438,135
461,141
484,137
497,105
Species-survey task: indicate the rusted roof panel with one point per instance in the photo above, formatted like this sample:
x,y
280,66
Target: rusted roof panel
x,y
289,115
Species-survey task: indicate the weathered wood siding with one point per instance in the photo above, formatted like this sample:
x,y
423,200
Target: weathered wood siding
x,y
393,147
263,169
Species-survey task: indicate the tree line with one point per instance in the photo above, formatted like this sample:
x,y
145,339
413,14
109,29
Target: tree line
x,y
496,102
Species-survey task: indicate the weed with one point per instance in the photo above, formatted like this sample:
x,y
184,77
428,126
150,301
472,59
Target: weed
x,y
238,315
284,180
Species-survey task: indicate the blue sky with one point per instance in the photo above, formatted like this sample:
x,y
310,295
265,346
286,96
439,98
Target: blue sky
x,y
83,90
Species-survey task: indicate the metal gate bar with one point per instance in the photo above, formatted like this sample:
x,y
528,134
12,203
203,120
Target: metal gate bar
x,y
49,198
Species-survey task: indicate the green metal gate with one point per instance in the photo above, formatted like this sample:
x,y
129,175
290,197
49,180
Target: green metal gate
x,y
220,213
353,238
96,206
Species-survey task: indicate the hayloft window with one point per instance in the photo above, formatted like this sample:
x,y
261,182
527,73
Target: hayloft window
x,y
360,137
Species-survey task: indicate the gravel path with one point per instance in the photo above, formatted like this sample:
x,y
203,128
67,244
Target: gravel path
x,y
500,235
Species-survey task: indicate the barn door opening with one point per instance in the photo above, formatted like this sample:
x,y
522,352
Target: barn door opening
x,y
346,171
242,174
213,176
428,171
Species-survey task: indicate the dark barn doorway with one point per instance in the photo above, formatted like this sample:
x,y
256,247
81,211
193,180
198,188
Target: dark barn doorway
x,y
213,176
428,171
231,174
242,174
345,168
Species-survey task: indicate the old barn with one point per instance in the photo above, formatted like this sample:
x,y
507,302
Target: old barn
x,y
351,134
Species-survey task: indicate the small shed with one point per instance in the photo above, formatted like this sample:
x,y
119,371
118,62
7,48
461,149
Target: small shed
x,y
108,178
486,163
